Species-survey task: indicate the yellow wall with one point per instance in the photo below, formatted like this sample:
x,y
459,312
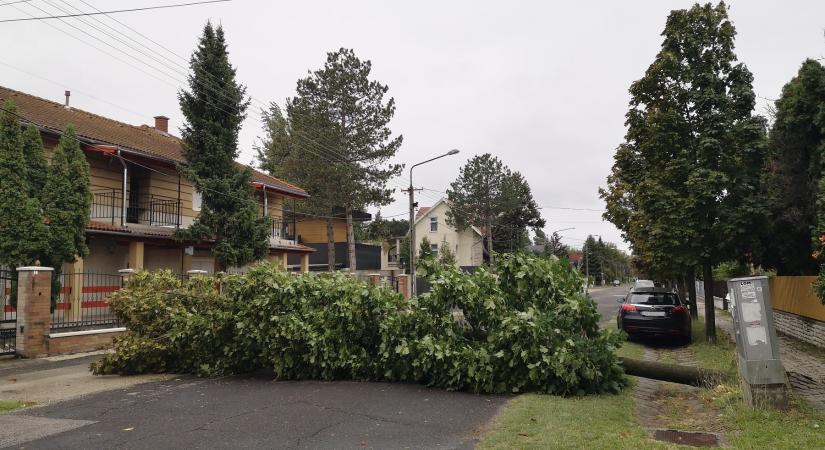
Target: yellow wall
x,y
796,295
314,231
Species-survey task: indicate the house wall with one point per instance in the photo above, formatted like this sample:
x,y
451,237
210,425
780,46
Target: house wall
x,y
158,258
463,244
314,231
106,255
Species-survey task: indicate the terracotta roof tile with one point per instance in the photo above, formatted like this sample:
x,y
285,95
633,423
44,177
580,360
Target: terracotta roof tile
x,y
421,211
144,139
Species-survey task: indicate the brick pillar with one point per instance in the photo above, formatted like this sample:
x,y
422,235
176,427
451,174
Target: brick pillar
x,y
375,279
126,276
404,285
34,290
305,263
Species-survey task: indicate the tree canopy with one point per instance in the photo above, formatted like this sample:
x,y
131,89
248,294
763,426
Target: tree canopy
x,y
685,183
214,108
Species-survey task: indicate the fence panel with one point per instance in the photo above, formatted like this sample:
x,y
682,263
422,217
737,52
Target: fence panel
x,y
796,295
8,315
82,301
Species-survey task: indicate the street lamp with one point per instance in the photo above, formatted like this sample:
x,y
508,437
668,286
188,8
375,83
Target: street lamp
x,y
563,229
412,218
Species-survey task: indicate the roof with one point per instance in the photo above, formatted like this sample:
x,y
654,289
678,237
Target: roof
x,y
142,140
421,211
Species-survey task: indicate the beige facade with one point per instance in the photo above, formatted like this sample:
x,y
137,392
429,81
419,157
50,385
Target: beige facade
x,y
466,244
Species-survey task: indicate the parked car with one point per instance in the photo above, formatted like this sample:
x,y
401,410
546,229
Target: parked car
x,y
644,284
654,311
616,282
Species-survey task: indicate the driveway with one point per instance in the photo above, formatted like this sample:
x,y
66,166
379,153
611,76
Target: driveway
x,y
256,412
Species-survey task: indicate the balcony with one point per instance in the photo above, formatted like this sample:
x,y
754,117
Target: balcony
x,y
283,231
144,209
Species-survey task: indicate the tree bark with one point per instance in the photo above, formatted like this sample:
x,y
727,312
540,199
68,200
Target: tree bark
x,y
691,286
710,311
489,233
330,245
350,241
682,286
694,376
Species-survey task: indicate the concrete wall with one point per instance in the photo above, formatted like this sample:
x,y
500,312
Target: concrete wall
x,y
106,256
157,258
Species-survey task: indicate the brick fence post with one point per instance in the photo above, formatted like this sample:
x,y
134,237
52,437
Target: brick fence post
x,y
34,298
404,285
375,279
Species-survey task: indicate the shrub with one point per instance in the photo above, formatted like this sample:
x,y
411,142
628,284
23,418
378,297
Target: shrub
x,y
521,325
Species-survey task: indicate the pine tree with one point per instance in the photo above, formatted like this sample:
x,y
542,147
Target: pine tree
x,y
339,121
21,224
214,108
67,201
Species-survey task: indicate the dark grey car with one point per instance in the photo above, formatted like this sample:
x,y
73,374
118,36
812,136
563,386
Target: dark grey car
x,y
654,312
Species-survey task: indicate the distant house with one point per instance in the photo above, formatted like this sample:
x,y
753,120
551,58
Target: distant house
x,y
313,234
431,223
139,197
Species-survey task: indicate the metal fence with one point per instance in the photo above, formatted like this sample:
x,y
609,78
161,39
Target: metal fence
x,y
82,301
8,316
147,209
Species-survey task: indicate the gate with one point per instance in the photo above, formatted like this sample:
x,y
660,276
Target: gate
x,y
8,324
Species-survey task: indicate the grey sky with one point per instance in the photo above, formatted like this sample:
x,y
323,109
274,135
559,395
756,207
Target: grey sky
x,y
542,85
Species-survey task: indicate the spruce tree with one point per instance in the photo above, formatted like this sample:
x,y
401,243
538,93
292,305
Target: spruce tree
x,y
214,108
21,223
67,201
36,166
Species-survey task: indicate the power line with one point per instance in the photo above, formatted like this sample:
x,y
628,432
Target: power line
x,y
147,8
12,3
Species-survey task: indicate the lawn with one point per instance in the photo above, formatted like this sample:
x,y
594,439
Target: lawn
x,y
11,405
609,421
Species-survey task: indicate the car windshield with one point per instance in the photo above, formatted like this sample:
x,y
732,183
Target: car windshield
x,y
651,298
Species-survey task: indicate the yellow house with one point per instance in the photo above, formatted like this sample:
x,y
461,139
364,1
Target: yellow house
x,y
140,198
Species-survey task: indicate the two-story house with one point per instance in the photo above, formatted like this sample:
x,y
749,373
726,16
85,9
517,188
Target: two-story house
x,y
139,196
466,245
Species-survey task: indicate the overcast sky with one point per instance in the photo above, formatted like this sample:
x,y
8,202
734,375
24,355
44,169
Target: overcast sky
x,y
541,85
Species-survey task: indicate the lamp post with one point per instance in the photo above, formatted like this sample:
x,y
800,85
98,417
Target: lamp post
x,y
412,218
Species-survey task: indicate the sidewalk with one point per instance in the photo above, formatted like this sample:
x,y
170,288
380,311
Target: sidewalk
x,y
48,380
804,364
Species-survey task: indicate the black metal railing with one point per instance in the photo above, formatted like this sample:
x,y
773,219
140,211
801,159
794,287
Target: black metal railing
x,y
82,301
145,209
8,315
283,229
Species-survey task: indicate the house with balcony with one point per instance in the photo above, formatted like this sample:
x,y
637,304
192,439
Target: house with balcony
x,y
140,198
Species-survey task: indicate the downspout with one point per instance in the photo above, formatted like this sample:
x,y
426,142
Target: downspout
x,y
123,189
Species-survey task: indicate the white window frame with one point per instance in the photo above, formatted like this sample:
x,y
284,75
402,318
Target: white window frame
x,y
197,200
433,221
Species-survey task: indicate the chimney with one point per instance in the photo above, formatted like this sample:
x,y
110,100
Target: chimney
x,y
162,123
68,94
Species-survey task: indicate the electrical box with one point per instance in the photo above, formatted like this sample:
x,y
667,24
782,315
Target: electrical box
x,y
756,343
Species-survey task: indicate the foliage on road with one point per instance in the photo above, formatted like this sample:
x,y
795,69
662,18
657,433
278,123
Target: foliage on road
x,y
521,325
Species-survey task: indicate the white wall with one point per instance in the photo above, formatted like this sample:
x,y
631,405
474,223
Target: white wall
x,y
465,245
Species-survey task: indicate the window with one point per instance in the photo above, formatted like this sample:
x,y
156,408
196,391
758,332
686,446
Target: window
x,y
654,299
433,224
196,200
434,248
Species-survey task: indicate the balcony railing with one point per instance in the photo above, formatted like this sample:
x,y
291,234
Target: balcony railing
x,y
283,229
145,209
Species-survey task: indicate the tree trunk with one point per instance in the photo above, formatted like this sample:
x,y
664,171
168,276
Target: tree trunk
x,y
710,312
691,286
694,376
682,287
330,245
489,234
350,240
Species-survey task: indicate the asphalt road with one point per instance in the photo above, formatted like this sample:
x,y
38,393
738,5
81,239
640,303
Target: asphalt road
x,y
256,412
605,299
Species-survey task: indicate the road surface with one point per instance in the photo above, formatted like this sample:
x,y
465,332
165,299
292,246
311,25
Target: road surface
x,y
605,299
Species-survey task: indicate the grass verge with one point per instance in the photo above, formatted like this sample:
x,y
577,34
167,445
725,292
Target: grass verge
x,y
11,405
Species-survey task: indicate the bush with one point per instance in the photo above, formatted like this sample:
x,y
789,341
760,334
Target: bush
x,y
521,325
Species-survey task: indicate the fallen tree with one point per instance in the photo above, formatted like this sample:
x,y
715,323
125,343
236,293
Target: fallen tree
x,y
694,376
